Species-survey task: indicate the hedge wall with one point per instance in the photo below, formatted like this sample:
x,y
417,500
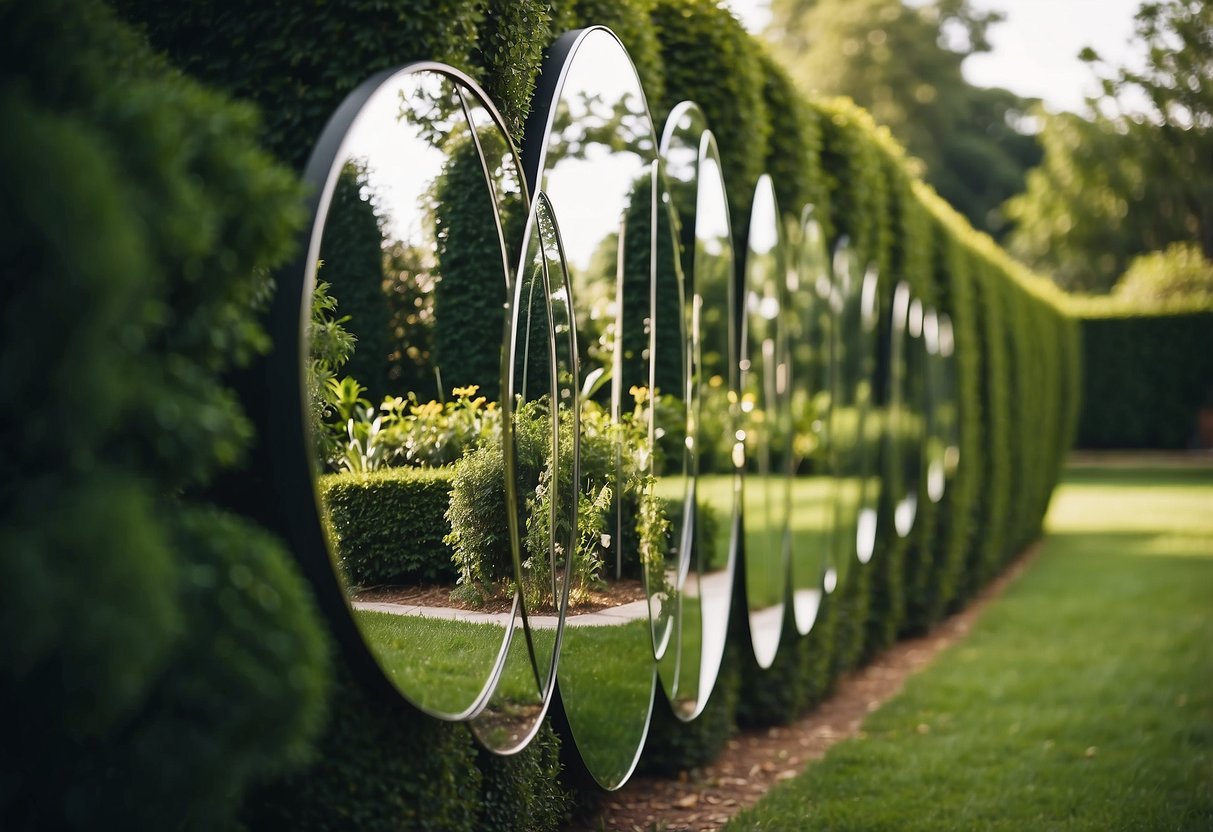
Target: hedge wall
x,y
195,634
1147,377
157,654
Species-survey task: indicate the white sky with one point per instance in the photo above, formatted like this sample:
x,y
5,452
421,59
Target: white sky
x,y
1036,48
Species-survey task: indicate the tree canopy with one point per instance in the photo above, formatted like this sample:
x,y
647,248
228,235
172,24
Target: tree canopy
x,y
1136,174
903,64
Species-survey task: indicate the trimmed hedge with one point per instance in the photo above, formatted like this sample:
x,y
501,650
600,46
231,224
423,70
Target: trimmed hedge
x,y
298,62
157,654
388,526
1147,377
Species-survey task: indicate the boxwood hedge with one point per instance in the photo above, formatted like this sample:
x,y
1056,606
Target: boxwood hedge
x,y
197,630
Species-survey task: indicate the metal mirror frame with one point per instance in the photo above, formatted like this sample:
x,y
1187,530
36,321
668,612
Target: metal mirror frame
x,y
290,505
686,134
595,763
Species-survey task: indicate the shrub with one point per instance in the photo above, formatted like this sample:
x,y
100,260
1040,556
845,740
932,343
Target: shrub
x,y
1180,273
139,221
388,526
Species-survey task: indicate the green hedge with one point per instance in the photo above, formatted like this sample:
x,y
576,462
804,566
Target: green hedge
x,y
1017,358
388,526
157,654
1146,377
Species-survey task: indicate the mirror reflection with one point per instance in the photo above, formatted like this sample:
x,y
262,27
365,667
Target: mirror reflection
x,y
689,668
856,427
949,408
934,441
540,425
810,331
763,416
405,345
908,427
596,162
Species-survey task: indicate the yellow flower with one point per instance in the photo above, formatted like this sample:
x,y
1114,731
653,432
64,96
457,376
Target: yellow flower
x,y
465,392
639,393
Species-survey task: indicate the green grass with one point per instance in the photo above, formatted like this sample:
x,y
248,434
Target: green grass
x,y
1082,699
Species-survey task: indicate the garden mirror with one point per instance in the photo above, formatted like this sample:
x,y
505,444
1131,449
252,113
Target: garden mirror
x,y
900,438
690,665
762,385
407,321
949,416
854,429
591,149
810,331
540,423
912,428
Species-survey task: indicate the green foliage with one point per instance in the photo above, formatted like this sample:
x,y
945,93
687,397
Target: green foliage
x,y
297,62
897,60
701,33
360,779
1180,274
140,221
1145,378
388,526
1122,183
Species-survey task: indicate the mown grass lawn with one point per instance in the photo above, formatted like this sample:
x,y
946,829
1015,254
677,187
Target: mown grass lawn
x,y
1082,699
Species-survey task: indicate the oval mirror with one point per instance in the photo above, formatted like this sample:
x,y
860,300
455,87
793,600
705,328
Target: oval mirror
x,y
689,668
762,385
408,283
935,443
900,435
810,334
540,425
591,149
949,408
855,430
910,429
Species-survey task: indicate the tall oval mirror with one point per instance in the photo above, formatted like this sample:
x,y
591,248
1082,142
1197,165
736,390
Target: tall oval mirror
x,y
871,414
407,321
690,665
910,453
540,425
855,430
762,385
935,442
900,438
810,337
590,147
949,412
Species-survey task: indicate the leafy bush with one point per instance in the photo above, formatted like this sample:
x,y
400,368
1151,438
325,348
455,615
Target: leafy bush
x,y
389,526
1180,273
139,222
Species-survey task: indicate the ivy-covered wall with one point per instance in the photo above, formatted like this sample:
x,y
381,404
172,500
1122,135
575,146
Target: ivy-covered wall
x,y
162,658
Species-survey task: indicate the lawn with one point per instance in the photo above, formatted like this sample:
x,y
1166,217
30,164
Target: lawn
x,y
1081,700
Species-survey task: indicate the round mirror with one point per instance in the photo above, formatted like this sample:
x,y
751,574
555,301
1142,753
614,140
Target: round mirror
x,y
949,408
689,668
935,443
900,435
908,316
763,387
407,281
591,149
540,426
810,337
855,430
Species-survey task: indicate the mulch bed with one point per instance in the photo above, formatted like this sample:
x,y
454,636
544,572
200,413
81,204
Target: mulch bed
x,y
611,595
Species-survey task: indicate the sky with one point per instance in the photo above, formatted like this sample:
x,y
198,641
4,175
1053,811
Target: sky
x,y
1036,48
